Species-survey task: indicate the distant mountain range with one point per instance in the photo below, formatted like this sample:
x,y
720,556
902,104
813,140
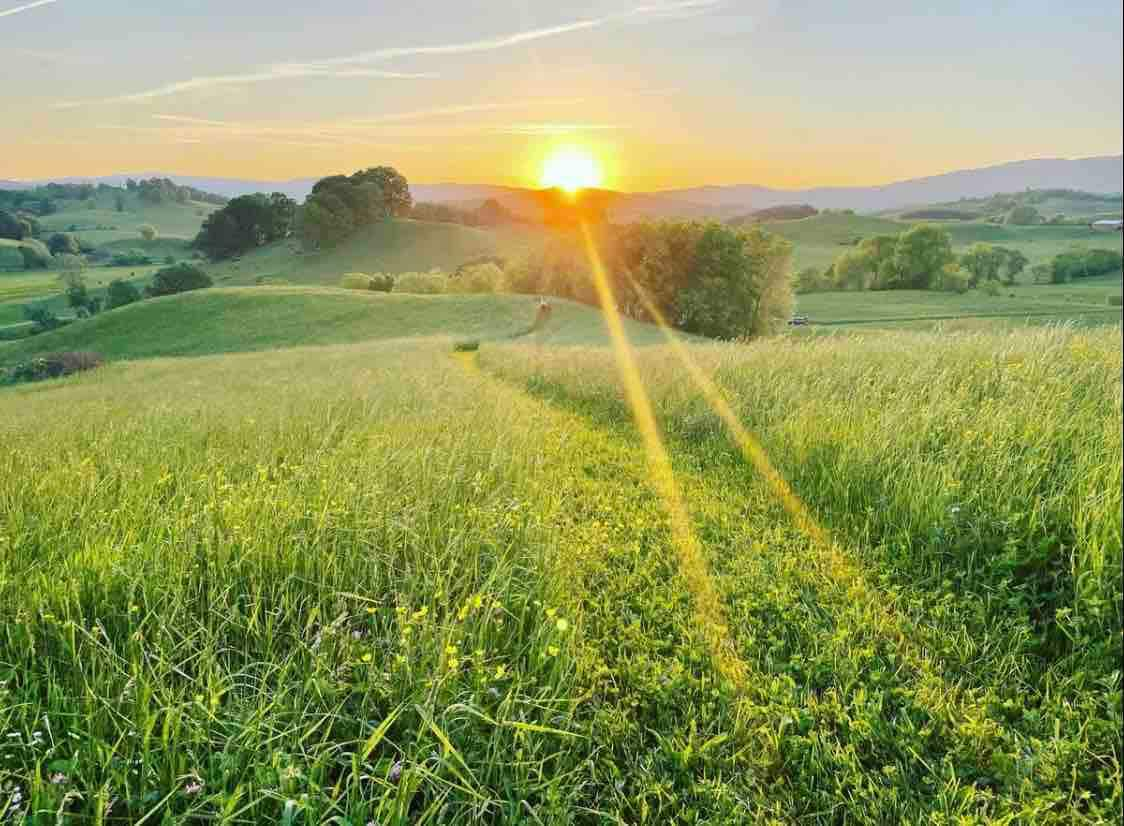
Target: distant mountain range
x,y
1101,174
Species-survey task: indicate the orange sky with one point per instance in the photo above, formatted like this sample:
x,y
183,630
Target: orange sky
x,y
667,93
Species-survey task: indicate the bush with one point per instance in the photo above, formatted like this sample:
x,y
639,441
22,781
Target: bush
x,y
478,278
41,317
147,232
63,243
1023,216
433,282
1084,264
991,288
178,279
1115,300
379,282
52,366
131,258
955,280
120,293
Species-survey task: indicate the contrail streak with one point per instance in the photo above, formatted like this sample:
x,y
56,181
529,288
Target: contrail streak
x,y
26,7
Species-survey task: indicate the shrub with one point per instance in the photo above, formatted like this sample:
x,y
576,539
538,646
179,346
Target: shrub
x,y
52,366
121,292
147,232
478,278
1084,264
42,318
433,282
379,282
131,258
468,346
991,288
954,280
178,279
1115,300
63,243
1023,216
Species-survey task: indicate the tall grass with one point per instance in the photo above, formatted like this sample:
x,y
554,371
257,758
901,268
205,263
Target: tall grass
x,y
374,583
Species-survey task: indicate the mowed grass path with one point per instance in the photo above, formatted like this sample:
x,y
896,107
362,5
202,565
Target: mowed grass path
x,y
371,582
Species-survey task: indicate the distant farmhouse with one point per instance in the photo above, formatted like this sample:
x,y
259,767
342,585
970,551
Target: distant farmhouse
x,y
1107,226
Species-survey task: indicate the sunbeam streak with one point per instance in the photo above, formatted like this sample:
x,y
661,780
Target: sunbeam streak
x,y
692,565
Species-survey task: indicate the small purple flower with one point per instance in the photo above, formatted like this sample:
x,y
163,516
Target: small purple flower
x,y
193,788
395,772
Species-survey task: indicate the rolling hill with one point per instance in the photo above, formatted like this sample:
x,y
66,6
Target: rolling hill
x,y
245,319
1098,174
392,247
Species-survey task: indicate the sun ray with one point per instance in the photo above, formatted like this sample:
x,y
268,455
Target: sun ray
x,y
692,564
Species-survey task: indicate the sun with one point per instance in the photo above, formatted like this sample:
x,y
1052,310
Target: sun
x,y
570,170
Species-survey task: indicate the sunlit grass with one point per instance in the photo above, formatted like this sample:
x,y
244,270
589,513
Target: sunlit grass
x,y
363,582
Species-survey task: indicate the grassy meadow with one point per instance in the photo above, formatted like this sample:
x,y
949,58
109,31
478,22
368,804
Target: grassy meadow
x,y
390,246
1085,301
244,579
819,240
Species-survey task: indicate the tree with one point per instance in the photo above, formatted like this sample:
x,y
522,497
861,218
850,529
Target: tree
x,y
809,280
119,202
147,232
952,279
245,223
177,279
394,189
1014,262
852,270
740,285
41,317
341,204
1023,215
63,243
920,256
119,293
11,227
78,296
983,261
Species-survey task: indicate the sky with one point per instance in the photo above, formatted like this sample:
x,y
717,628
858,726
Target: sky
x,y
663,93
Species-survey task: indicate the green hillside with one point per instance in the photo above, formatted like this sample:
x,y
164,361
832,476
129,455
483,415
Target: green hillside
x,y
264,318
1085,301
104,223
819,240
392,247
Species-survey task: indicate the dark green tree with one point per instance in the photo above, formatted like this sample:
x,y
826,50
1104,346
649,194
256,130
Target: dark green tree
x,y
180,278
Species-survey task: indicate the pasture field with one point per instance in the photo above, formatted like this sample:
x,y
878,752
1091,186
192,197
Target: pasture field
x,y
240,319
376,581
1084,301
391,246
819,240
172,220
43,286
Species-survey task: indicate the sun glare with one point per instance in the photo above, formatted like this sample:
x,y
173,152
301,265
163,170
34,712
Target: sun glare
x,y
570,170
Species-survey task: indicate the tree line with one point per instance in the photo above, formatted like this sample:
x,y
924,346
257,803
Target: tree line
x,y
338,206
921,258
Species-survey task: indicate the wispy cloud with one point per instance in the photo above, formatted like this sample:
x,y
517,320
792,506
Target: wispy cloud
x,y
552,128
356,65
212,81
26,7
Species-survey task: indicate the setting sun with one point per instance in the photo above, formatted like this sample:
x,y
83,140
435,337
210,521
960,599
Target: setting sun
x,y
571,169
